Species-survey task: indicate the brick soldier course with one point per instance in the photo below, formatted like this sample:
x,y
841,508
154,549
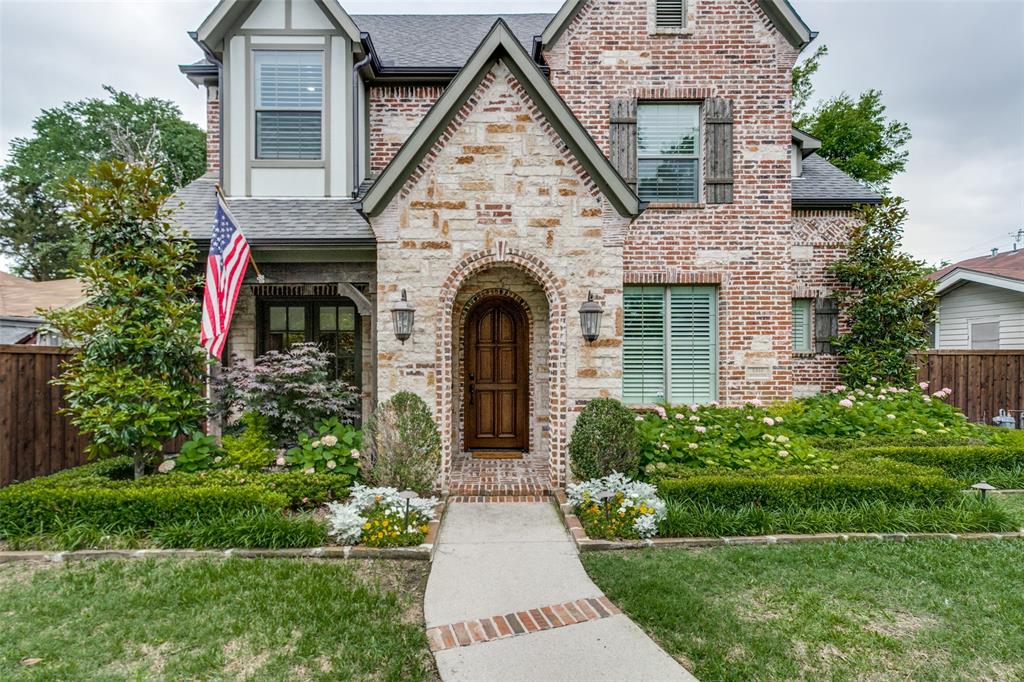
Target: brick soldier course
x,y
504,166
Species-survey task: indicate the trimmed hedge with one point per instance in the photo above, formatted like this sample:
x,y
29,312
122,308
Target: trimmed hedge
x,y
845,465
999,465
686,519
29,509
774,491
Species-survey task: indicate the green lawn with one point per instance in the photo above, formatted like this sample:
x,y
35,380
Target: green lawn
x,y
220,619
932,610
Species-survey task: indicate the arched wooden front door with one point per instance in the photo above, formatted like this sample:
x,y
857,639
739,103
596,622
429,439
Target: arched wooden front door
x,y
496,397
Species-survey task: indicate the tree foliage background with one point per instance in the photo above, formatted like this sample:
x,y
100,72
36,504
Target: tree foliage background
x,y
856,134
65,142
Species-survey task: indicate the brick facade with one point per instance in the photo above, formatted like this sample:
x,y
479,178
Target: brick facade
x,y
212,128
395,111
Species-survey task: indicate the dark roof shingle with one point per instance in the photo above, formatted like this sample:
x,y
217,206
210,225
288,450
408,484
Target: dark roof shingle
x,y
272,221
441,40
822,184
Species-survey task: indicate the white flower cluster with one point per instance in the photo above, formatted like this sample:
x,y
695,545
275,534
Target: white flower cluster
x,y
346,520
635,494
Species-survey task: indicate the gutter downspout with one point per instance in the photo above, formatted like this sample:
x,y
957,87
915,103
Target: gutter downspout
x,y
357,146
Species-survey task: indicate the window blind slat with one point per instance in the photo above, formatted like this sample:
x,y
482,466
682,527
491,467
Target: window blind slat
x,y
289,99
643,356
669,13
802,325
694,347
668,151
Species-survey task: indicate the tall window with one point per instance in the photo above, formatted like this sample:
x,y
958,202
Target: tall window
x,y
668,151
802,325
333,324
289,103
670,345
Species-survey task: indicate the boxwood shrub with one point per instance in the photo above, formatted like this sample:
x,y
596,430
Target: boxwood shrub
x,y
1001,466
32,509
842,464
775,491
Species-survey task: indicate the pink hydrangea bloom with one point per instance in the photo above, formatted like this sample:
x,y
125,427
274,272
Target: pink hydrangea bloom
x,y
846,402
769,421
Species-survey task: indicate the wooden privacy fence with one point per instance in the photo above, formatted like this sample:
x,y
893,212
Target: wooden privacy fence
x,y
983,381
35,439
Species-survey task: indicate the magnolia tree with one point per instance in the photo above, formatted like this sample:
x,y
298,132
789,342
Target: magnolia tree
x,y
136,380
888,298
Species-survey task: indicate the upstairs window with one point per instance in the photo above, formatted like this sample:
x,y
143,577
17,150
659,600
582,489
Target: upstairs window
x,y
668,14
289,103
668,152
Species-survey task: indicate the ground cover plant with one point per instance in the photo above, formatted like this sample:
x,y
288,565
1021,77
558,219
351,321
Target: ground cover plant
x,y
616,507
214,619
929,610
381,517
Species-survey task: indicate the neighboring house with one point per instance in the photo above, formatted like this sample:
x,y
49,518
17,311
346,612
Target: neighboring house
x,y
502,169
981,303
20,302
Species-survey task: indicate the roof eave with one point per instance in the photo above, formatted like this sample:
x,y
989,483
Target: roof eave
x,y
832,204
960,276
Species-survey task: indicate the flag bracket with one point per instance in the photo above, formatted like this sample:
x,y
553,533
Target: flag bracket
x,y
259,275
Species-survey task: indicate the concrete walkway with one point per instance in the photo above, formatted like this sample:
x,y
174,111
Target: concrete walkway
x,y
508,599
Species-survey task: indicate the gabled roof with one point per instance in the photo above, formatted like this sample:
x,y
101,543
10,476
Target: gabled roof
x,y
822,185
271,222
228,13
400,41
782,14
501,43
22,297
808,143
1004,270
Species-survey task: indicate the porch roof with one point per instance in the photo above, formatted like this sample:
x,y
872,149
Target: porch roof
x,y
285,221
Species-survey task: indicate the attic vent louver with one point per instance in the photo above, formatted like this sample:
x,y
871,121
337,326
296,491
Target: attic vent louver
x,y
669,13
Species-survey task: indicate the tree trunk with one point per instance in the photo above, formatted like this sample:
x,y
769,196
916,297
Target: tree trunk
x,y
140,465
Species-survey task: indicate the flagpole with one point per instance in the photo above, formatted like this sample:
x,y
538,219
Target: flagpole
x,y
252,260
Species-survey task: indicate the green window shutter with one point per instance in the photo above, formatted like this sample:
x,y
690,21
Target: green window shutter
x,y
693,345
643,350
802,325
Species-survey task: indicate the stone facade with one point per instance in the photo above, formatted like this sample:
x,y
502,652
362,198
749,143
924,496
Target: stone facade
x,y
395,111
499,203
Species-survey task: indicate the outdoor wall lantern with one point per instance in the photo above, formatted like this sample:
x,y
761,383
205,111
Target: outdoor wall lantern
x,y
590,318
402,316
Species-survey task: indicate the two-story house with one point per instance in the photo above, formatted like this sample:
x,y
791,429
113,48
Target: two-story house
x,y
502,170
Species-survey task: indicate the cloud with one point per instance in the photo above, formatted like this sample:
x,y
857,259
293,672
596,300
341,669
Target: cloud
x,y
953,70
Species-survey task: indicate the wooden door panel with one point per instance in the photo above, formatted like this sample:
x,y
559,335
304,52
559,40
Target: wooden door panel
x,y
496,376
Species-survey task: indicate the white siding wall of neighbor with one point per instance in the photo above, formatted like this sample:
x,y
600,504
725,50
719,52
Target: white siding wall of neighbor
x,y
979,304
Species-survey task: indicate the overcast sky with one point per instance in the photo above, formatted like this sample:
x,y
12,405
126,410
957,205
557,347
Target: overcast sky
x,y
952,69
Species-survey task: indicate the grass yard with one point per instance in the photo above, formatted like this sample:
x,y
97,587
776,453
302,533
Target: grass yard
x,y
932,610
222,619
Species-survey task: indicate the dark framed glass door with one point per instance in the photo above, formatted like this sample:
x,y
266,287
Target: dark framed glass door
x,y
331,323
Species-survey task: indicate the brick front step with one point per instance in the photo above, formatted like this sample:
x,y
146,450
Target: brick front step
x,y
469,632
482,499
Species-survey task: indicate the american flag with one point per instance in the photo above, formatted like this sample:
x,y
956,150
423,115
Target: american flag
x,y
225,268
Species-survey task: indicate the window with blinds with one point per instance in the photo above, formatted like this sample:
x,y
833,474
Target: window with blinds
x,y
289,103
802,325
668,152
669,13
670,345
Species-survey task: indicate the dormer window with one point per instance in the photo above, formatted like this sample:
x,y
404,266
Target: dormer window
x,y
289,103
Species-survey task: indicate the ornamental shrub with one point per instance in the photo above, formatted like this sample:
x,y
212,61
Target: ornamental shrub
x,y
615,507
333,448
748,437
998,465
403,446
379,517
846,464
252,449
292,390
136,380
604,441
773,491
198,454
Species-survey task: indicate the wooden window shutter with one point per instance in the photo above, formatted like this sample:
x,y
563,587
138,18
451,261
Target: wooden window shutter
x,y
826,324
643,345
622,139
718,152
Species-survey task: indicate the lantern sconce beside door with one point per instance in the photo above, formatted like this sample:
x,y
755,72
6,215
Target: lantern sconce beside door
x,y
403,316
